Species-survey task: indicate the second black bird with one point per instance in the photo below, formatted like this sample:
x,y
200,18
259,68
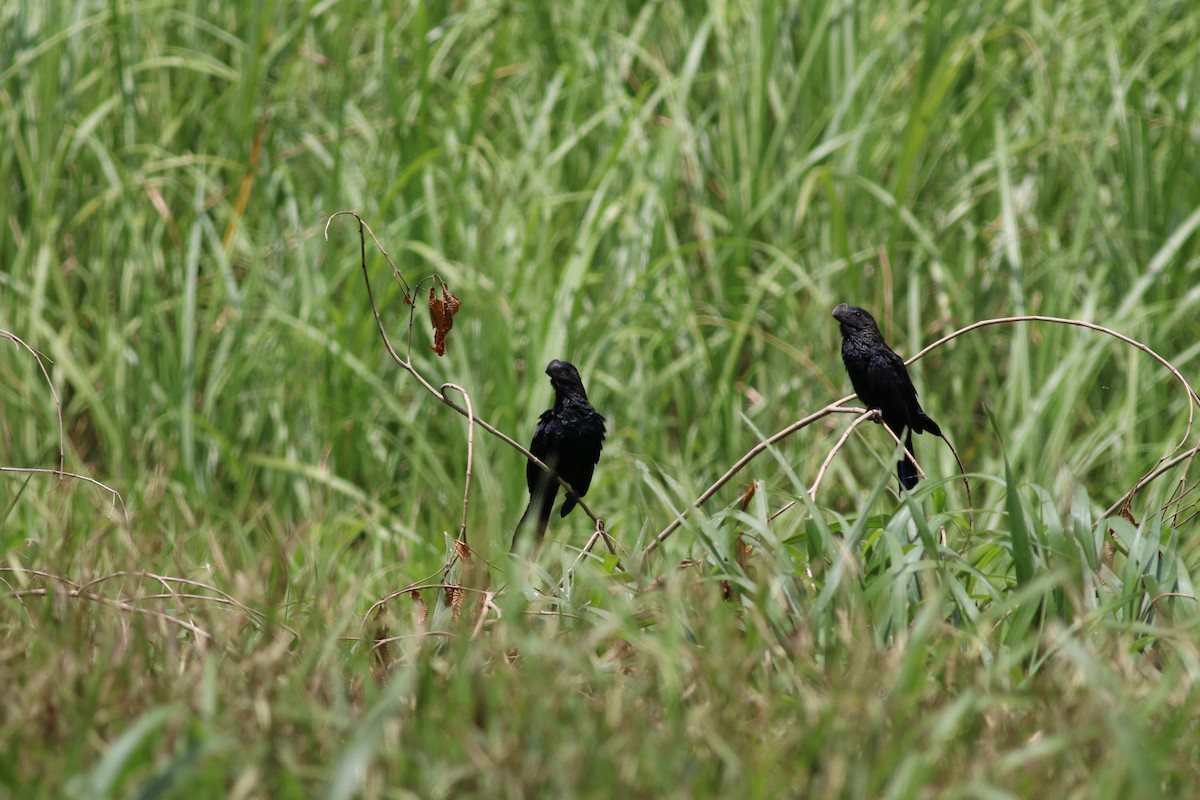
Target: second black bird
x,y
568,439
881,381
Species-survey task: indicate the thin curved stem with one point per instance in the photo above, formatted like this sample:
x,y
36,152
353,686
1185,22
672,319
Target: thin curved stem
x,y
462,530
754,452
407,366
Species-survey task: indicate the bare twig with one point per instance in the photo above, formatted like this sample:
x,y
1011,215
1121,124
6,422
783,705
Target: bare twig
x,y
754,452
1162,466
89,590
484,607
462,530
41,362
825,464
841,442
116,496
1177,496
170,582
966,482
962,470
61,472
904,447
118,604
599,534
408,292
838,407
407,366
427,583
1167,460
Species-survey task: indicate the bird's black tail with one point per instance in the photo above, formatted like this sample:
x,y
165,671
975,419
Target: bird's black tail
x,y
906,470
926,425
541,503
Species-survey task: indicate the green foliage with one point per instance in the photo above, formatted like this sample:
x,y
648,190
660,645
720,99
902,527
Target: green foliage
x,y
672,195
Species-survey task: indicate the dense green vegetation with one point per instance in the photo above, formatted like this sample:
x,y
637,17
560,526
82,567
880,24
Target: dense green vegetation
x,y
672,195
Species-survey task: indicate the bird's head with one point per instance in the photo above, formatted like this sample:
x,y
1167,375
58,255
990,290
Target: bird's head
x,y
564,377
854,319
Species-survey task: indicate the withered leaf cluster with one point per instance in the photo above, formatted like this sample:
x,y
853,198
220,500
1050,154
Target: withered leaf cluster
x,y
441,314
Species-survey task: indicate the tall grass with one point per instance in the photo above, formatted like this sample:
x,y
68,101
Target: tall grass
x,y
673,196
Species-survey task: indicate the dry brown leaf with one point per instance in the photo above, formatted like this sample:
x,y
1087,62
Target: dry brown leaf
x,y
744,548
441,314
464,549
422,609
748,495
454,594
744,551
1108,553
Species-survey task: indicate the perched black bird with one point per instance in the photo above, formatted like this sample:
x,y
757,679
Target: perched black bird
x,y
568,439
881,381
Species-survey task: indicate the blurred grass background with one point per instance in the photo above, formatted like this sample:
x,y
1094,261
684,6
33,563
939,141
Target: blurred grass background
x,y
673,196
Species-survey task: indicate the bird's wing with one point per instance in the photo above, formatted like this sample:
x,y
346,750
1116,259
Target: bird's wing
x,y
592,444
893,387
596,437
545,440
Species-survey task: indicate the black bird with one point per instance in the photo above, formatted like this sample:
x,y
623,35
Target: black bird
x,y
568,439
881,381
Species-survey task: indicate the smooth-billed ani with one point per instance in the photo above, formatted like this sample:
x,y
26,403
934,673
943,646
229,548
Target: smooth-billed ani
x,y
881,381
568,439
